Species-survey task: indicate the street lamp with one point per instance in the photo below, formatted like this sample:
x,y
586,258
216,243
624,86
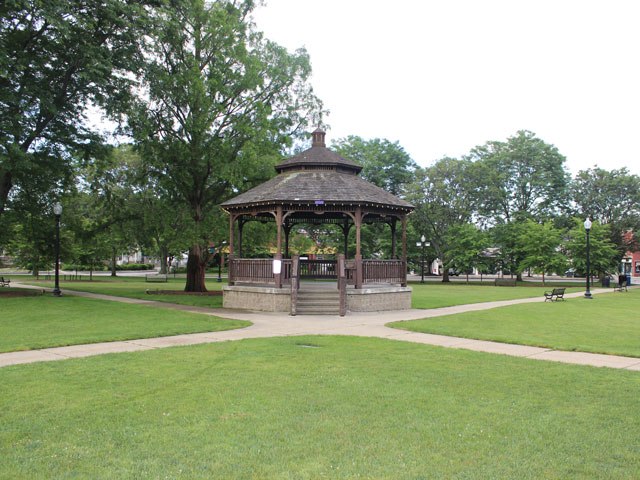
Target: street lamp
x,y
57,211
587,227
422,243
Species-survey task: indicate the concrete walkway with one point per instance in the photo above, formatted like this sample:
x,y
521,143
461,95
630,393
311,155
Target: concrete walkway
x,y
357,324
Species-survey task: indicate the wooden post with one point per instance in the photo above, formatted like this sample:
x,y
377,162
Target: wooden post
x,y
231,248
345,230
404,250
277,277
358,223
393,238
279,225
295,271
287,231
342,284
232,218
240,226
358,256
358,262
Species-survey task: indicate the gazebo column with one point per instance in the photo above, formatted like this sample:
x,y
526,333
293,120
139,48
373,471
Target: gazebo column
x,y
392,224
232,252
287,231
358,256
278,256
404,250
345,230
240,227
232,219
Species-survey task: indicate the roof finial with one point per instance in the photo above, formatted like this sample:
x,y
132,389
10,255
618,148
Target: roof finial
x,y
318,137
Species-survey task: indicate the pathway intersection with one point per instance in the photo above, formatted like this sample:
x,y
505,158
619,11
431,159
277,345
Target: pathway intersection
x,y
356,324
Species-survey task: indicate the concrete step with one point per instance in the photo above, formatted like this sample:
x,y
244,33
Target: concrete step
x,y
318,302
312,293
317,311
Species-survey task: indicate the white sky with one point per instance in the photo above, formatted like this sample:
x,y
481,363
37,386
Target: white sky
x,y
444,76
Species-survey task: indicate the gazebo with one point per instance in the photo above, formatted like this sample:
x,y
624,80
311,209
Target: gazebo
x,y
317,186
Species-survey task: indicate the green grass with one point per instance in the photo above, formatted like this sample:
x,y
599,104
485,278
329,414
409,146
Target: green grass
x,y
136,287
607,324
317,407
44,321
436,295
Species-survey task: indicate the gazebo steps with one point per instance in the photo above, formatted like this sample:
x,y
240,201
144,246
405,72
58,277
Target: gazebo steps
x,y
319,302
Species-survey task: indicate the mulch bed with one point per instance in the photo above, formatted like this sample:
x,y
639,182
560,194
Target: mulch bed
x,y
215,293
19,293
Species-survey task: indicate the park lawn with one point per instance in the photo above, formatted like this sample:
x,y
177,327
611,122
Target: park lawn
x,y
428,295
136,287
317,407
607,324
437,295
39,322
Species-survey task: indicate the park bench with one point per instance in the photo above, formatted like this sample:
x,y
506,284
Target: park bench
x,y
505,282
622,283
156,278
557,293
4,283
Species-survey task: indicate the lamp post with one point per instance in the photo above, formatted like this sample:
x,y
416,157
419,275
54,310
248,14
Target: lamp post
x,y
57,211
587,227
422,243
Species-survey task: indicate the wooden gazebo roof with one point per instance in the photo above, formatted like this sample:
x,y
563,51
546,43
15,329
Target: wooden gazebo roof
x,y
318,178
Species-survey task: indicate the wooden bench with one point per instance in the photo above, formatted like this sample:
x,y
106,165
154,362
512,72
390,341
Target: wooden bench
x,y
4,283
557,293
156,278
505,282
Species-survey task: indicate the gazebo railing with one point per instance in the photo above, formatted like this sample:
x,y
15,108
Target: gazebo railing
x,y
260,271
257,270
318,269
384,271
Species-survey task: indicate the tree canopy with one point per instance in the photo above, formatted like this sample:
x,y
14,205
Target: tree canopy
x,y
384,163
219,101
58,57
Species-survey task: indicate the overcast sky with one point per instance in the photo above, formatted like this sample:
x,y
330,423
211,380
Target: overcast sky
x,y
444,76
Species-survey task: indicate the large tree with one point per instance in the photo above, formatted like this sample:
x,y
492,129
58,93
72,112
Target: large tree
x,y
385,163
522,177
56,58
539,244
444,197
219,102
610,197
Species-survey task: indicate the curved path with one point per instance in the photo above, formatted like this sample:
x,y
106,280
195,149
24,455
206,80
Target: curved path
x,y
357,324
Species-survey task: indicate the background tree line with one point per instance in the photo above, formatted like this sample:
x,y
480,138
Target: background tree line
x,y
207,106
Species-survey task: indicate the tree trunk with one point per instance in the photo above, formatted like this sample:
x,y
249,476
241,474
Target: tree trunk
x,y
91,272
113,261
445,275
164,253
196,266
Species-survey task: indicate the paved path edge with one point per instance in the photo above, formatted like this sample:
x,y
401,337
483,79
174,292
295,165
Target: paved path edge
x,y
368,324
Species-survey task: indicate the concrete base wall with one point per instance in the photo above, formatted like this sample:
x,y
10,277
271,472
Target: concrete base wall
x,y
379,299
262,299
269,299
